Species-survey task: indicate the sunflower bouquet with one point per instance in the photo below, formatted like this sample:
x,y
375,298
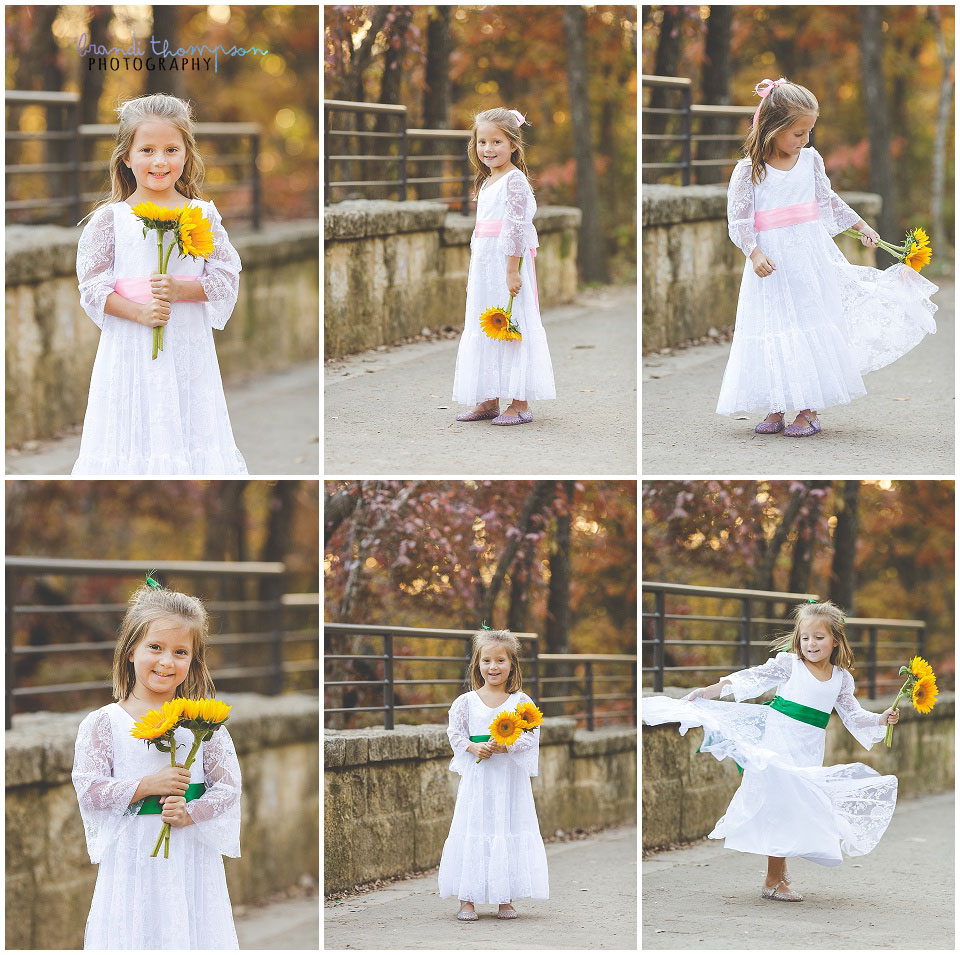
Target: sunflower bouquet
x,y
497,323
920,686
507,726
915,251
191,236
202,717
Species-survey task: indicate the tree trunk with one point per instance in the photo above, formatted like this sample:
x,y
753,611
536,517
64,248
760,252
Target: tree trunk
x,y
390,86
591,251
172,81
843,567
802,556
436,95
875,106
938,232
715,90
337,507
768,551
557,629
518,613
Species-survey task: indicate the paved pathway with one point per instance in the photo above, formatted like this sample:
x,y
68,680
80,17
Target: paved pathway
x,y
592,906
900,896
904,425
294,924
390,412
275,421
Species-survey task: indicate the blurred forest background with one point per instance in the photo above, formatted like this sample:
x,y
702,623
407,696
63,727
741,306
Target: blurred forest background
x,y
152,521
883,75
553,557
570,70
278,90
876,548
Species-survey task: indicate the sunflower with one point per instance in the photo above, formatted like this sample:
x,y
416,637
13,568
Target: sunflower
x,y
211,712
495,324
918,257
530,716
920,668
924,694
193,234
918,236
155,724
506,729
154,216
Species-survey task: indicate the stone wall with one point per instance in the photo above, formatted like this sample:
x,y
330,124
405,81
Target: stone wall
x,y
691,269
49,878
389,794
394,268
685,792
51,343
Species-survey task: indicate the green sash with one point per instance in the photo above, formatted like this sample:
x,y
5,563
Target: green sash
x,y
151,805
479,739
796,711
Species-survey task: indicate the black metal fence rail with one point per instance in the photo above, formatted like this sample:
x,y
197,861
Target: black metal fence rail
x,y
294,618
534,665
747,623
372,169
68,141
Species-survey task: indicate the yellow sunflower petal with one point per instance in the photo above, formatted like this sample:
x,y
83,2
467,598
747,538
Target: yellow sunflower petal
x,y
924,694
920,668
196,240
918,257
495,324
505,729
530,715
153,725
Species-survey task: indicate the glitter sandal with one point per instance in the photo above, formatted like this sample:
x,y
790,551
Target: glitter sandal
x,y
795,431
775,894
481,416
770,427
510,913
467,915
523,417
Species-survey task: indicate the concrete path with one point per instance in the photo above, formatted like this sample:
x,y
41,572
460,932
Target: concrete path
x,y
900,896
390,412
294,924
592,906
903,426
275,421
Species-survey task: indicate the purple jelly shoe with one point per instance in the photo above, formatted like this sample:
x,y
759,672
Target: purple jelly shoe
x,y
482,416
813,427
770,427
523,417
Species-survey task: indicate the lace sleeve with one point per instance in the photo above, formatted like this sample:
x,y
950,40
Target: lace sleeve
x,y
834,213
517,232
458,732
95,264
525,752
104,801
740,209
217,811
750,683
865,727
220,277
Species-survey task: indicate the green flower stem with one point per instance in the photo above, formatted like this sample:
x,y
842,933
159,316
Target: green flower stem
x,y
165,828
897,251
903,691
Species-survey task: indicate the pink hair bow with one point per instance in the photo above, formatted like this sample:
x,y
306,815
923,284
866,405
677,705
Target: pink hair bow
x,y
764,91
518,116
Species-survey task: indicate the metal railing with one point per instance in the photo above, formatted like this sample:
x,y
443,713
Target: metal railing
x,y
68,174
396,153
533,675
746,623
288,619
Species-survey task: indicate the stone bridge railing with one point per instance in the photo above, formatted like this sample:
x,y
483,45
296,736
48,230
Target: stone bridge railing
x,y
691,269
392,269
51,343
389,794
49,877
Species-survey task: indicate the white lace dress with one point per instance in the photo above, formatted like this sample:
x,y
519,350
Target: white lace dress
x,y
806,334
178,903
789,804
506,370
494,852
163,416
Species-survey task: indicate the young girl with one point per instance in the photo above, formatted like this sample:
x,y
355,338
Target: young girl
x,y
501,264
140,902
168,415
789,804
494,852
809,324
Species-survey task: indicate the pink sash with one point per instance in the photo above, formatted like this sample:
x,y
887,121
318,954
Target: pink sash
x,y
784,216
490,229
135,289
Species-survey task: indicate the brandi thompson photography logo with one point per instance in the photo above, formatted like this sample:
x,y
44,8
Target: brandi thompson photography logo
x,y
161,56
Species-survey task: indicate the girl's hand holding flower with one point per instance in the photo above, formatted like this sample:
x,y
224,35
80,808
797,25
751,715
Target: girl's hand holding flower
x,y
869,237
513,282
163,287
154,314
169,781
174,811
889,716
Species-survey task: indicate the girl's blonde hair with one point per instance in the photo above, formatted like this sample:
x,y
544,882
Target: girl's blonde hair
x,y
148,604
779,110
841,655
510,643
171,110
505,121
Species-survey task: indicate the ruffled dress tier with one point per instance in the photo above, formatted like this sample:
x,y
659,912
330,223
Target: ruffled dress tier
x,y
179,903
492,369
789,804
494,852
806,334
168,415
